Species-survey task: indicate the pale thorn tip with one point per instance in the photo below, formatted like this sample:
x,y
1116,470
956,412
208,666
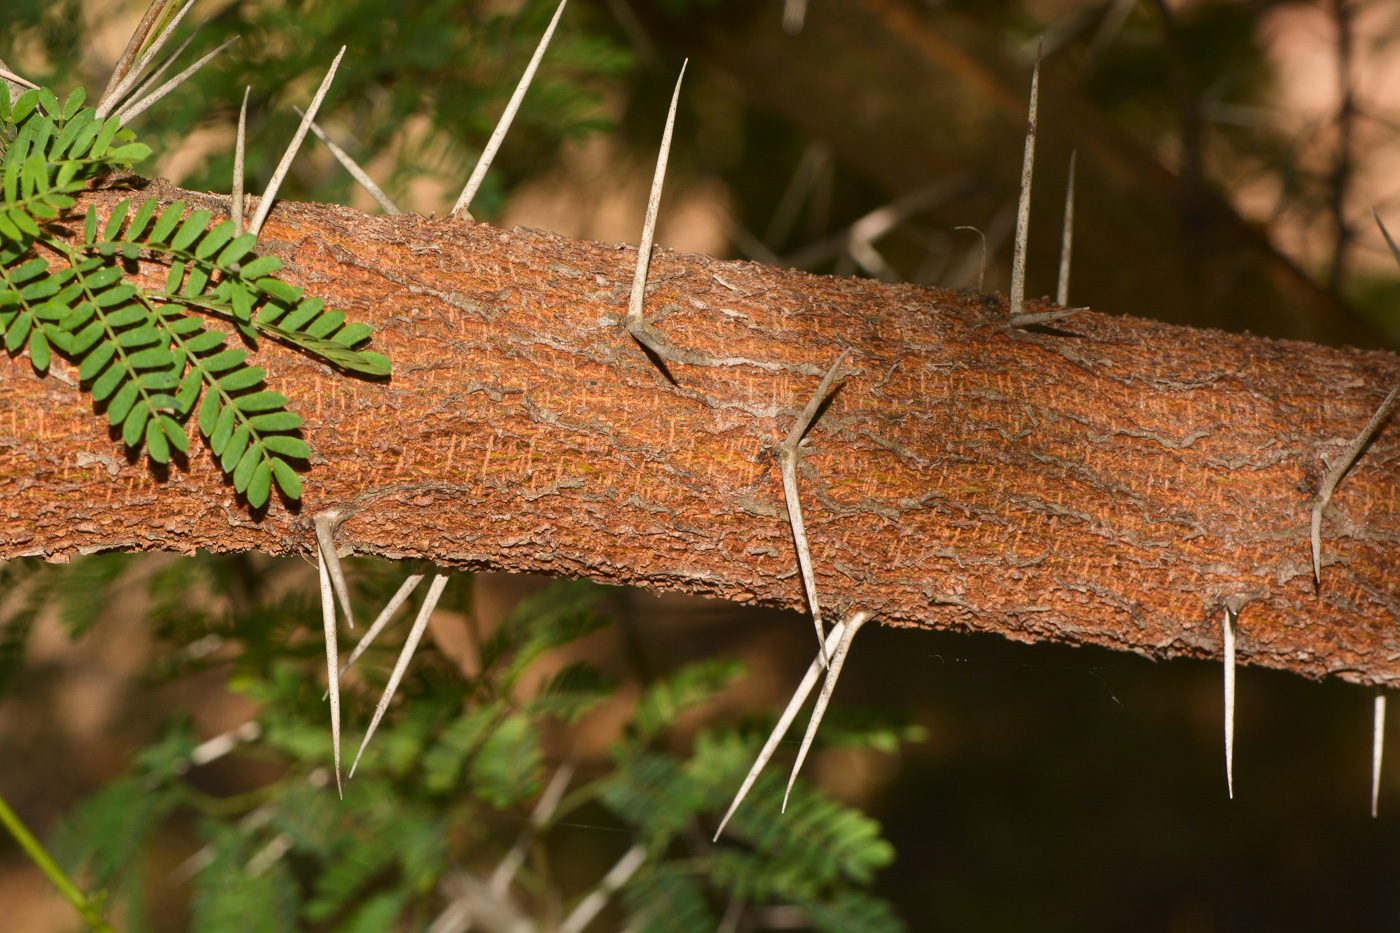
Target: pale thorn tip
x,y
270,195
410,645
1377,746
1227,631
464,200
1023,204
154,11
819,709
658,181
332,661
799,696
353,167
1067,236
236,208
149,81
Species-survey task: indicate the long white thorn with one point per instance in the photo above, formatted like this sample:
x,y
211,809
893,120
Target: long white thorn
x,y
325,524
464,201
110,100
270,195
353,167
132,111
819,709
799,696
1227,631
1023,205
382,620
410,645
1338,470
1067,236
658,180
332,661
1377,745
236,209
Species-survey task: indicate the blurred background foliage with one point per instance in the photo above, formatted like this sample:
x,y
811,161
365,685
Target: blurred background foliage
x,y
1230,154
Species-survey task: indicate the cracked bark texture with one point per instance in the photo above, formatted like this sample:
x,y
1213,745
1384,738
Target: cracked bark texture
x,y
1110,481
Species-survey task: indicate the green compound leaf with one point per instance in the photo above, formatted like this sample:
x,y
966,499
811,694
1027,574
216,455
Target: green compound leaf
x,y
287,479
260,484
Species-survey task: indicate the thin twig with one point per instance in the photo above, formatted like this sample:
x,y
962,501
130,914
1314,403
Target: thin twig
x,y
410,645
1377,745
332,661
11,76
132,111
539,816
353,167
90,909
113,97
799,696
464,201
270,195
658,180
1023,205
1067,236
788,456
838,659
236,209
1338,470
1227,631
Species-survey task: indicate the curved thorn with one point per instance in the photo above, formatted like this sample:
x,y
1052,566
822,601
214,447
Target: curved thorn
x,y
1023,204
1228,637
270,195
982,270
788,463
236,208
382,620
464,200
134,110
353,167
110,99
333,681
410,645
837,660
1377,744
799,696
658,180
1067,236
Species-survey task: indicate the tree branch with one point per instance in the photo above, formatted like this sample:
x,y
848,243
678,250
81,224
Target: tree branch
x,y
1112,482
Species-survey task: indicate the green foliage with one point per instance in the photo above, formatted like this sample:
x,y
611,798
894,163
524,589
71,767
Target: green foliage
x,y
149,355
451,781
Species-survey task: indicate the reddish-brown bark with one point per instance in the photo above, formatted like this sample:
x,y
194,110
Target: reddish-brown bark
x,y
1112,481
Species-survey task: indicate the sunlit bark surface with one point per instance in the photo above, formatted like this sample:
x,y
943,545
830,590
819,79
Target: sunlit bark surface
x,y
1109,481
